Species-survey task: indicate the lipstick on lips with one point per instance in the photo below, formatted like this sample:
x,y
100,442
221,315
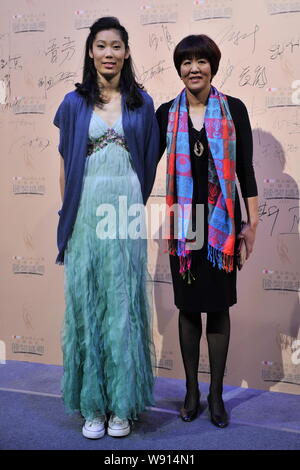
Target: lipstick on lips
x,y
109,65
195,78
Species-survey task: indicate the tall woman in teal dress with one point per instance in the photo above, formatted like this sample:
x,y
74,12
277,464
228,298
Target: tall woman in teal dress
x,y
109,148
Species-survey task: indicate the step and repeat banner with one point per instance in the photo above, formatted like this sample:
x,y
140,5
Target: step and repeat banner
x,y
41,57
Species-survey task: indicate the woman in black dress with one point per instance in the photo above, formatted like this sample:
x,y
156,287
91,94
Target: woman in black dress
x,y
215,142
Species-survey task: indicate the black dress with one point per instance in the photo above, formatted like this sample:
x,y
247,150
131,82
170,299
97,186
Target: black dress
x,y
212,289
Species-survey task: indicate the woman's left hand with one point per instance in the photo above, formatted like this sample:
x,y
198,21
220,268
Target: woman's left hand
x,y
248,233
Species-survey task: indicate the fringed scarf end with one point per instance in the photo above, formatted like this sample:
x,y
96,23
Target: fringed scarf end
x,y
185,268
185,263
188,274
222,260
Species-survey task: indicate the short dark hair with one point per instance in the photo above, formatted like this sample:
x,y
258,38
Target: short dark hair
x,y
128,84
200,47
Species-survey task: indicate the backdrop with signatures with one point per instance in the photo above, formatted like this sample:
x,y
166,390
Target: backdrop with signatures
x,y
41,57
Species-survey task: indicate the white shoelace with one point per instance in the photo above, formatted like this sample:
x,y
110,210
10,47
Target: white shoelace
x,y
116,420
95,421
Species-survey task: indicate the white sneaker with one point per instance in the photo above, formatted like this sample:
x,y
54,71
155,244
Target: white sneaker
x,y
95,428
118,427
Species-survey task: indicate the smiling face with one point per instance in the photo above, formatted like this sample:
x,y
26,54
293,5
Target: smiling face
x,y
196,75
109,52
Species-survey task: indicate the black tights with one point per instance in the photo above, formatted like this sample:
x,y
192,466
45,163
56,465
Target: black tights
x,y
217,334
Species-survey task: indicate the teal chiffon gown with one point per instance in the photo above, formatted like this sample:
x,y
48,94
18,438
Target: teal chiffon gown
x,y
106,336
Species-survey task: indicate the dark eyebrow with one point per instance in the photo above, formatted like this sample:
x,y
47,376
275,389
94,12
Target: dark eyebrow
x,y
116,41
194,57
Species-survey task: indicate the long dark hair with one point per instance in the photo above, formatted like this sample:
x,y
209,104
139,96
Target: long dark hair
x,y
89,87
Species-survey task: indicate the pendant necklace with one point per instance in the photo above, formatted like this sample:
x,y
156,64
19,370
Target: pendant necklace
x,y
198,148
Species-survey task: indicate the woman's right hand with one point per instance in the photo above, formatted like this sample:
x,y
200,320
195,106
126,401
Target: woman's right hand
x,y
248,233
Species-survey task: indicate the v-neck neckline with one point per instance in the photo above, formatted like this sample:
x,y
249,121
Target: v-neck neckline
x,y
104,122
192,125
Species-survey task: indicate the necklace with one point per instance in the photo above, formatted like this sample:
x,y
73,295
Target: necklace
x,y
198,148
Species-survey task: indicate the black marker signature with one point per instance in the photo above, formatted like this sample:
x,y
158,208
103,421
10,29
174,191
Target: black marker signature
x,y
49,82
294,228
278,49
269,212
231,35
228,69
274,211
258,79
165,37
67,50
157,69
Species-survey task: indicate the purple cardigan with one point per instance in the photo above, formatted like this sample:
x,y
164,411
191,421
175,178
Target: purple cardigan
x,y
73,119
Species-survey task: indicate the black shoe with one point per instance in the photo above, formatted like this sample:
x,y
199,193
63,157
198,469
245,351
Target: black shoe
x,y
189,415
218,414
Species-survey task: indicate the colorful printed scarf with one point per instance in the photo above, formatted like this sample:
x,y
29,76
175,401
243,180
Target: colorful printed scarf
x,y
221,138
